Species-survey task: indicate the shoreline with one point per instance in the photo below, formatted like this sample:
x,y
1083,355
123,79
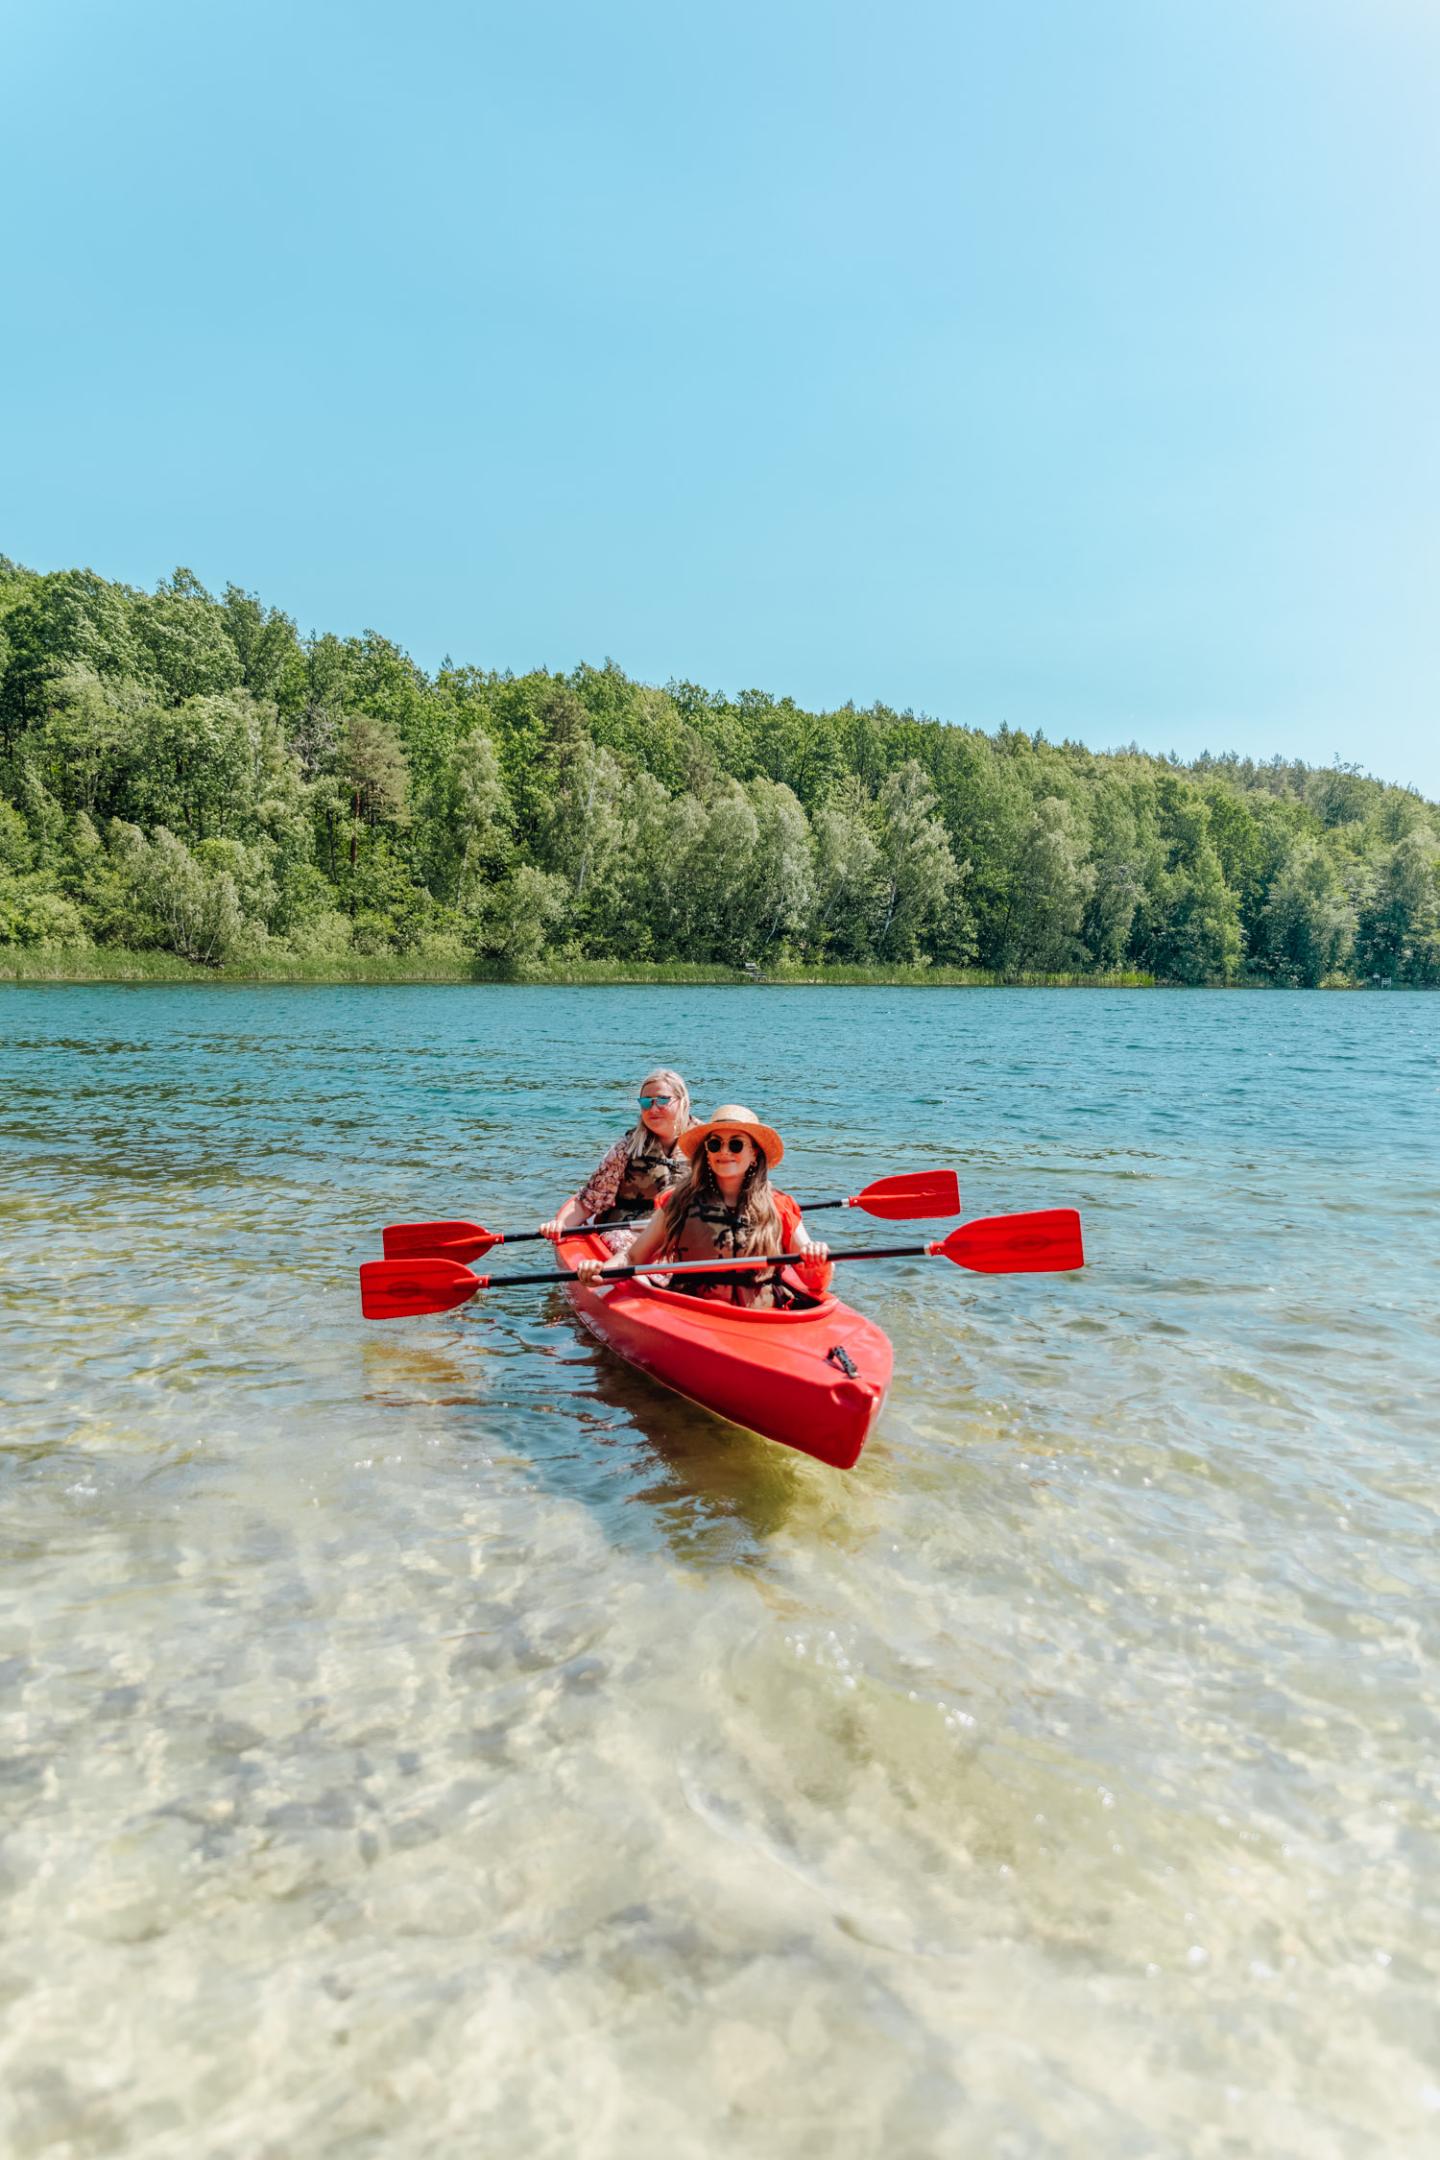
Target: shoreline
x,y
119,964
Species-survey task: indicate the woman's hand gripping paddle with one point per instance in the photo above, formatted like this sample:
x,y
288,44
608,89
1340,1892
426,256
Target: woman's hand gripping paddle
x,y
1043,1243
918,1196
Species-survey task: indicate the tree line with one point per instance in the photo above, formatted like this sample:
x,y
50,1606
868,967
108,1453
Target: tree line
x,y
188,773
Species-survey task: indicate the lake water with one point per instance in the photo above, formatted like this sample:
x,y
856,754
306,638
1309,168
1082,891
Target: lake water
x,y
431,1739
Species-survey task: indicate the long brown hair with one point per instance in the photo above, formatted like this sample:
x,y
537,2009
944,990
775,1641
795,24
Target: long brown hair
x,y
757,1219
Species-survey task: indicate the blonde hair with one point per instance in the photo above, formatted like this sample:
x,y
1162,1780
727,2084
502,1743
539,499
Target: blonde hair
x,y
757,1227
669,1083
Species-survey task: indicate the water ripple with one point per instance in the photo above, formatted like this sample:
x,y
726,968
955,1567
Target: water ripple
x,y
431,1738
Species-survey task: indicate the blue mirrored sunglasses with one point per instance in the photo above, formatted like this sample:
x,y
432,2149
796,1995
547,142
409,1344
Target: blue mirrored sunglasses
x,y
655,1102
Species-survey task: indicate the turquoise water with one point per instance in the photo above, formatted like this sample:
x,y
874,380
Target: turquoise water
x,y
432,1739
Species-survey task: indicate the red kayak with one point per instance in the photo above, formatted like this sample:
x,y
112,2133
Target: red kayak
x,y
812,1378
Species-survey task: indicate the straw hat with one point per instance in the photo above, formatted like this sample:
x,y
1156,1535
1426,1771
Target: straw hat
x,y
734,1117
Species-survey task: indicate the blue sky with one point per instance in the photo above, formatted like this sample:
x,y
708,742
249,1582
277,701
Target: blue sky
x,y
1070,363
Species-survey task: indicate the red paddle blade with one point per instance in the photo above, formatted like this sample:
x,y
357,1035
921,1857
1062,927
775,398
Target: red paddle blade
x,y
448,1240
391,1289
1041,1244
918,1195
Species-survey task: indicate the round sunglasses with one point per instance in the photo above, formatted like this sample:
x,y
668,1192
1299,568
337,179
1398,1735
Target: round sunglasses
x,y
715,1143
654,1102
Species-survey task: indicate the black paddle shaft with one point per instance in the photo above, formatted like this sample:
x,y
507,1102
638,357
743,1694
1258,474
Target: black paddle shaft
x,y
713,1267
579,1229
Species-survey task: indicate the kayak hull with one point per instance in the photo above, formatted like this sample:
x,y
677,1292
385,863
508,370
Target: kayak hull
x,y
783,1375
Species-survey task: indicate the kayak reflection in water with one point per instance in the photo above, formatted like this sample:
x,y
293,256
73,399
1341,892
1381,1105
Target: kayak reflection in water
x,y
634,1174
723,1207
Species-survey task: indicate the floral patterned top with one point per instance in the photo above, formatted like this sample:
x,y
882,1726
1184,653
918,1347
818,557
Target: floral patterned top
x,y
624,1185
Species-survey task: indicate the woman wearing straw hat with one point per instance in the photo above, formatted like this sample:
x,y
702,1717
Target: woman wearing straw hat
x,y
724,1207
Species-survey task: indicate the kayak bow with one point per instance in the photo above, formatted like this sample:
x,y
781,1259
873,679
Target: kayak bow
x,y
812,1377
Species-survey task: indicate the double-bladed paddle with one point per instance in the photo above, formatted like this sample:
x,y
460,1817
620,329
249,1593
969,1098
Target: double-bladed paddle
x,y
917,1196
464,1240
1042,1243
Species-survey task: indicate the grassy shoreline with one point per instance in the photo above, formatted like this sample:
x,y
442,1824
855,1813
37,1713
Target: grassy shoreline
x,y
121,964
117,964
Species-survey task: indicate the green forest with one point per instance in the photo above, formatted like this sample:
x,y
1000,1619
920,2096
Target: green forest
x,y
188,776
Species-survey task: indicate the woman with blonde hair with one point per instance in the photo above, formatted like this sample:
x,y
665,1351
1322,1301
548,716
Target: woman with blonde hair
x,y
643,1164
724,1207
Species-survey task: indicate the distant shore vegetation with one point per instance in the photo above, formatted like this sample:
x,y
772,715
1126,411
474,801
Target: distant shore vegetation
x,y
189,785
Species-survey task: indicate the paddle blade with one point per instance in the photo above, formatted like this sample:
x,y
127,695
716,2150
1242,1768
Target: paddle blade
x,y
447,1240
393,1289
1047,1242
916,1196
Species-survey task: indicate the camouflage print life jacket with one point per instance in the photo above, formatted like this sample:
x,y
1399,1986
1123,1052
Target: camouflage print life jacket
x,y
711,1231
645,1177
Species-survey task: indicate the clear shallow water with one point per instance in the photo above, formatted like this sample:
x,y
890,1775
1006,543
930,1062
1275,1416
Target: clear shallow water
x,y
431,1739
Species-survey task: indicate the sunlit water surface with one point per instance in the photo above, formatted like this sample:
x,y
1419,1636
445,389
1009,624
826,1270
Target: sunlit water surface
x,y
432,1739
